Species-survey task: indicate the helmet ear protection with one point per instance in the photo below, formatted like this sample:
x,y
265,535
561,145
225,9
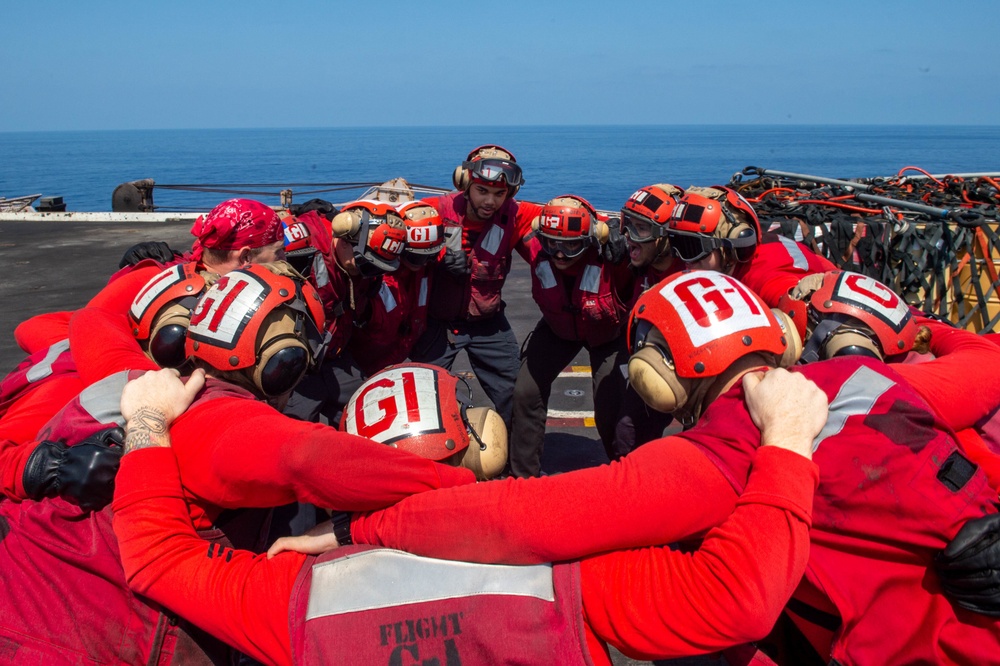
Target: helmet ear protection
x,y
793,351
463,175
486,455
161,312
262,320
651,371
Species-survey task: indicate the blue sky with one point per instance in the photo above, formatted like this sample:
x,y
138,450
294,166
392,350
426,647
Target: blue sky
x,y
79,65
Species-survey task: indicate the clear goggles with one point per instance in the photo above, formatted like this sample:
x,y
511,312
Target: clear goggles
x,y
639,228
493,170
568,247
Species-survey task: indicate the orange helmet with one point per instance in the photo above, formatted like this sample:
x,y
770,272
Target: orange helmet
x,y
161,312
262,322
299,250
853,314
421,409
491,165
694,326
378,234
424,231
569,224
708,219
645,214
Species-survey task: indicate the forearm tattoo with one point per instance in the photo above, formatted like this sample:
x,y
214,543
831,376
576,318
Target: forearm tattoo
x,y
146,428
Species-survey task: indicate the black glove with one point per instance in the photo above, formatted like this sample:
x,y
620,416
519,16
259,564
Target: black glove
x,y
969,566
455,262
615,249
83,474
321,206
157,250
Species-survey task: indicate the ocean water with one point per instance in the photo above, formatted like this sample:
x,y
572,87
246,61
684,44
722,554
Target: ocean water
x,y
603,163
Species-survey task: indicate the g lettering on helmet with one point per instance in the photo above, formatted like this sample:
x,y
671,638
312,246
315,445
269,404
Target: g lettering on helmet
x,y
295,232
714,307
873,296
154,288
399,403
223,313
422,234
550,222
391,246
638,196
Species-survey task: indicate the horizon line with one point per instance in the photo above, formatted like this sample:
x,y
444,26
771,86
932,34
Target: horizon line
x,y
497,127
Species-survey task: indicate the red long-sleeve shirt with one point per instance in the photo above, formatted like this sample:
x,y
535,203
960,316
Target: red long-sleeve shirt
x,y
96,354
647,602
42,331
237,452
961,382
556,518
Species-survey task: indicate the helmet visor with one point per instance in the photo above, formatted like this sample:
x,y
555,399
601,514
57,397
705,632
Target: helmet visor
x,y
568,247
493,170
691,247
639,228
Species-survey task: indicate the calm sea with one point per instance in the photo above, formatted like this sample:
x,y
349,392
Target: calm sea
x,y
604,163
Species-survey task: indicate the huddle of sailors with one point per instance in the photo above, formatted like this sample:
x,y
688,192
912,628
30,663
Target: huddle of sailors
x,y
836,476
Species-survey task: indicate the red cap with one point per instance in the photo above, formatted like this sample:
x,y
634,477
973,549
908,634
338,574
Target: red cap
x,y
237,223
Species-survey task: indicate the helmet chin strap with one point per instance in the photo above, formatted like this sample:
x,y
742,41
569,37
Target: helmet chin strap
x,y
817,339
689,413
464,404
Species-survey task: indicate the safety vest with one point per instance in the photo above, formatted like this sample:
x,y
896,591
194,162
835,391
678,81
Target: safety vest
x,y
63,594
477,295
53,361
398,318
361,605
590,312
894,489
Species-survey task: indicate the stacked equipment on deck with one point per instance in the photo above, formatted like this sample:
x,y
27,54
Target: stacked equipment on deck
x,y
934,239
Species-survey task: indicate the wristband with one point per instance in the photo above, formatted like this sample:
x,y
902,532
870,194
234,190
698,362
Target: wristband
x,y
342,528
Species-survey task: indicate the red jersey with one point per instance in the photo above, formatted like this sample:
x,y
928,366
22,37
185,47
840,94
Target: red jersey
x,y
583,302
653,601
489,246
777,266
870,547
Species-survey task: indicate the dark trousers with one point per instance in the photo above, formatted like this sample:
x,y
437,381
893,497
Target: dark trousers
x,y
543,357
637,424
320,396
492,349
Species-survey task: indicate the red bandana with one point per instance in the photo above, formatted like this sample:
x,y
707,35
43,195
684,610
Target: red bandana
x,y
237,223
